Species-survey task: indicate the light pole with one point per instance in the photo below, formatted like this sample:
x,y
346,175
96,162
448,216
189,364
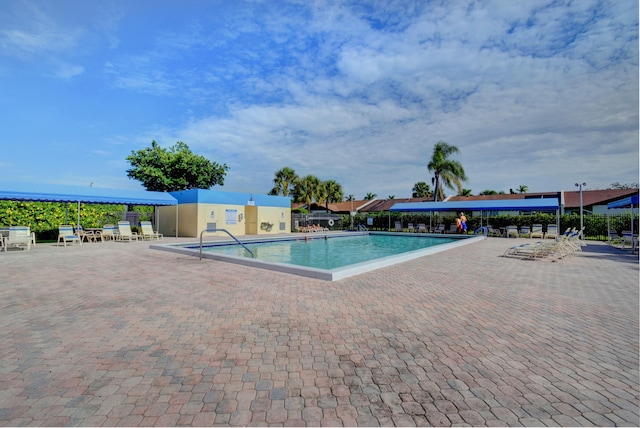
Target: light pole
x,y
581,211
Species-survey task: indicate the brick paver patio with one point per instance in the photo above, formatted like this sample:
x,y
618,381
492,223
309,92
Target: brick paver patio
x,y
118,334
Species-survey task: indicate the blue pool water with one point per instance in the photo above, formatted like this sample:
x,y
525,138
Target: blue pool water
x,y
330,253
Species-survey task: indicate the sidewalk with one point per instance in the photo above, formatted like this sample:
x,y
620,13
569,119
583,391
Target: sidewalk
x,y
118,334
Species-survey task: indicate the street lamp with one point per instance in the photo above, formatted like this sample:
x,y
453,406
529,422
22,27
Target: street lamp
x,y
581,211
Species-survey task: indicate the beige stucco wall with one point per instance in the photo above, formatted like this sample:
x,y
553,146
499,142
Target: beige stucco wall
x,y
193,219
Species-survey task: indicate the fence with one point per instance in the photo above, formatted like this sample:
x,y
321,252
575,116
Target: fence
x,y
329,220
596,225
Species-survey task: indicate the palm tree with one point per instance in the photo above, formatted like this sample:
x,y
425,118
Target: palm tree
x,y
391,197
523,188
370,196
284,181
351,198
332,192
488,192
446,172
306,190
464,192
421,190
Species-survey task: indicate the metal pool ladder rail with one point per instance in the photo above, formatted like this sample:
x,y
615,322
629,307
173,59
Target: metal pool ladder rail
x,y
212,228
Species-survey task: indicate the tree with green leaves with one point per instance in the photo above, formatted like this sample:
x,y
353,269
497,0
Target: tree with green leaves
x,y
284,182
446,171
421,190
176,168
523,189
332,192
306,190
370,196
465,192
488,192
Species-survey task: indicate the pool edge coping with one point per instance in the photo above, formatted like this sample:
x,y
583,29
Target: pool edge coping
x,y
322,274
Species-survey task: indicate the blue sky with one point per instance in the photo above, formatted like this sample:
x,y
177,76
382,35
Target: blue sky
x,y
535,93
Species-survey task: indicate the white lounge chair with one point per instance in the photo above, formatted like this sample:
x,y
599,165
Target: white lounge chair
x,y
536,231
19,237
552,232
398,226
67,234
439,229
147,231
512,231
525,232
125,233
422,228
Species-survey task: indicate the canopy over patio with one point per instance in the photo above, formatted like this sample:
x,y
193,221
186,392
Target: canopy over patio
x,y
537,204
84,194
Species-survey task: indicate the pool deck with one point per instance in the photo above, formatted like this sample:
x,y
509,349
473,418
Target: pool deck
x,y
118,334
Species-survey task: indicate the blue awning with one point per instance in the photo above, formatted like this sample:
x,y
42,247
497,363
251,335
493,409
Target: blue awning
x,y
90,195
533,204
624,203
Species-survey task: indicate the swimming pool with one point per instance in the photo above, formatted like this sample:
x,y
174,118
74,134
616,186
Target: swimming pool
x,y
329,256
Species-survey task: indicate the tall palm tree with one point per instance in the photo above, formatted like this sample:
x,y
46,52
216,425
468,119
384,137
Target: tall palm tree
x,y
523,188
446,172
370,196
332,192
421,190
306,190
284,181
351,198
465,192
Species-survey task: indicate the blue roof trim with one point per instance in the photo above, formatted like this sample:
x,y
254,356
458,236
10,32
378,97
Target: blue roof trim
x,y
204,196
624,203
539,204
91,195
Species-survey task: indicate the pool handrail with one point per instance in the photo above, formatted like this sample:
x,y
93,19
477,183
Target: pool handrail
x,y
228,233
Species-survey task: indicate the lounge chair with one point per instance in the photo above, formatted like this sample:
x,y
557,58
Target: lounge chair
x,y
109,232
452,228
422,228
536,231
398,226
19,237
411,227
67,234
525,232
628,238
439,228
493,232
613,238
85,235
512,231
125,233
147,231
552,232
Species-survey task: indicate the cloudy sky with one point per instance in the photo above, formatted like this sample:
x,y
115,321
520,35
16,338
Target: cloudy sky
x,y
535,92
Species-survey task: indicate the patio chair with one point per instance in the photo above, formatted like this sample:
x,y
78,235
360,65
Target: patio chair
x,y
67,234
411,227
493,232
512,231
398,226
422,228
19,237
525,232
85,235
125,233
147,231
613,238
552,232
536,231
628,238
439,228
109,232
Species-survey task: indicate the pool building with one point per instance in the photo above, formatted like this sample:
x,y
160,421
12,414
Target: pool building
x,y
239,213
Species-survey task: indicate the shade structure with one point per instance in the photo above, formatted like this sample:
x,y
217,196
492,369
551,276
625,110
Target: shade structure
x,y
89,195
629,202
538,204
